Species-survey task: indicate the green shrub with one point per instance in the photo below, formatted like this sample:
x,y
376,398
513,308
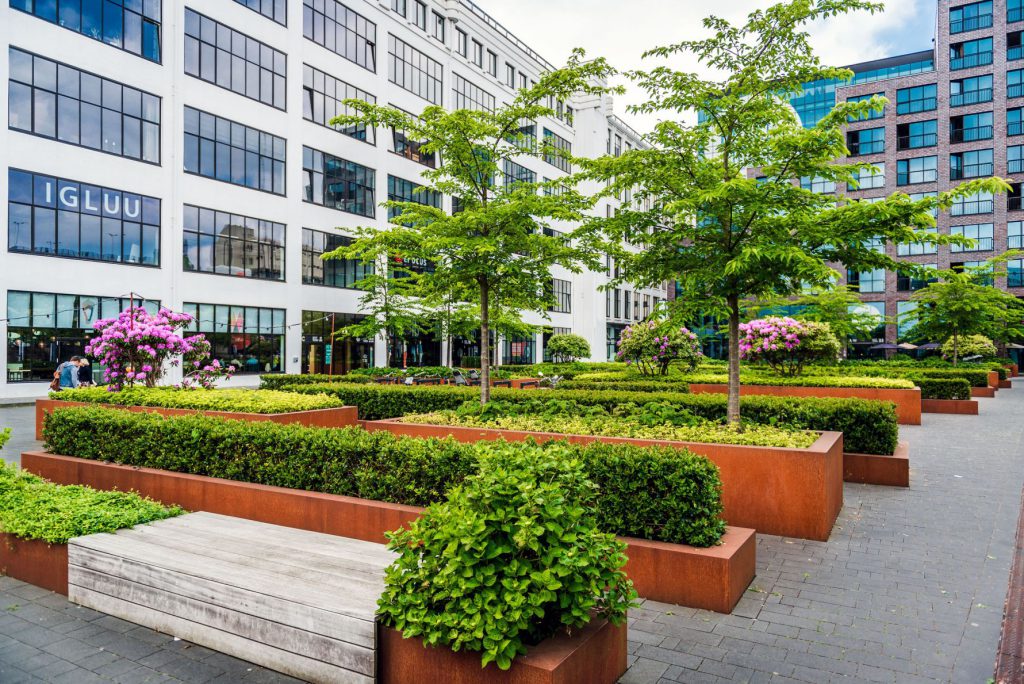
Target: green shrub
x,y
653,493
32,508
970,345
279,380
647,385
566,347
238,400
5,435
943,388
512,557
566,370
676,383
978,377
869,426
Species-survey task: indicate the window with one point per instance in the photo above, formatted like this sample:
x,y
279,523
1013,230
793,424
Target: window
x,y
478,54
401,190
968,91
560,294
557,151
412,70
1014,11
980,233
515,173
911,136
867,281
326,351
420,18
337,183
275,10
1015,83
1014,122
228,151
249,338
323,99
461,42
492,64
218,54
978,203
870,178
972,164
58,101
970,54
400,7
979,269
1014,235
904,321
918,248
1013,202
907,282
977,15
1014,46
970,127
344,273
510,75
411,149
468,95
438,27
921,195
229,244
130,25
871,114
866,141
58,217
520,350
917,99
818,184
917,170
522,81
1014,273
342,31
1015,158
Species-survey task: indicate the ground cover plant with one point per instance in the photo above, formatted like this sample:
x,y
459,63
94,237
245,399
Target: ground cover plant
x,y
32,508
652,420
513,556
664,494
239,400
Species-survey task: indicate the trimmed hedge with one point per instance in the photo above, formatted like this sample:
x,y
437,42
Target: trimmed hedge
x,y
239,400
868,426
943,388
755,379
276,382
662,494
977,377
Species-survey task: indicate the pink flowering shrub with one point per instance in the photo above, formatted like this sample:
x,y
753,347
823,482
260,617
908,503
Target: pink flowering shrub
x,y
136,347
652,347
787,345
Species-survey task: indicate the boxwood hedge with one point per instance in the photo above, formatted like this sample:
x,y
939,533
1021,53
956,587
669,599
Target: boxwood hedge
x,y
277,381
663,494
239,400
868,426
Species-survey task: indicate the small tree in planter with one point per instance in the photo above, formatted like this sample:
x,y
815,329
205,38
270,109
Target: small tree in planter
x,y
137,347
653,347
568,347
787,345
971,345
513,557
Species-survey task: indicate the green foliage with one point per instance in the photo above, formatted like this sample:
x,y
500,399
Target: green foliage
x,y
838,306
682,382
512,557
5,435
238,400
682,490
651,346
279,380
32,508
943,388
977,377
566,347
969,345
870,427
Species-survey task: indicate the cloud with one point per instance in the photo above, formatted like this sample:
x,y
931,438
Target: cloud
x,y
622,31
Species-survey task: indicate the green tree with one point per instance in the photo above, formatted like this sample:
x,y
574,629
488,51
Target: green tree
x,y
499,240
962,303
837,305
568,347
727,219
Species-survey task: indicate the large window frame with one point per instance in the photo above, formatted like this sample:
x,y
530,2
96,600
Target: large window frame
x,y
358,34
323,99
414,71
231,152
336,273
249,338
220,243
135,30
352,185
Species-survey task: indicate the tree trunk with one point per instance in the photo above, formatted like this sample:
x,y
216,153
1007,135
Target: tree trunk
x,y
485,343
733,412
956,347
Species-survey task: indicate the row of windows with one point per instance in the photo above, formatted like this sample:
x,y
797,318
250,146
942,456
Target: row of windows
x,y
962,129
338,183
58,101
468,95
129,25
341,30
977,15
323,99
412,70
344,273
229,244
401,190
275,10
624,304
222,149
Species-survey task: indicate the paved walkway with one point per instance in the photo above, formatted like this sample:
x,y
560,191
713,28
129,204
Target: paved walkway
x,y
909,589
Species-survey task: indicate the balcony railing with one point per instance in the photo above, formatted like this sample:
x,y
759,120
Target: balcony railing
x,y
1014,90
981,244
971,23
910,142
1015,165
970,61
961,135
970,171
859,149
972,207
1015,128
1014,14
915,177
970,97
925,104
1013,203
1014,53
1015,242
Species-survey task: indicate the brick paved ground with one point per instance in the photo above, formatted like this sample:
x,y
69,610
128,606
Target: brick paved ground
x,y
909,589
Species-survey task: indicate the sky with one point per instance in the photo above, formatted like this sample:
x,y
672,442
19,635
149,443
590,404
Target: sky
x,y
620,30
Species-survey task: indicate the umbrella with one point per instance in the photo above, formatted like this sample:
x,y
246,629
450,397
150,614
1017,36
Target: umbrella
x,y
1014,345
882,347
930,346
907,346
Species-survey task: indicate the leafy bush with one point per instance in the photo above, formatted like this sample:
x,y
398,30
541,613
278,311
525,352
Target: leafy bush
x,y
787,345
279,380
653,347
5,435
512,557
970,345
32,508
943,388
869,426
977,377
648,421
676,383
238,400
664,494
568,347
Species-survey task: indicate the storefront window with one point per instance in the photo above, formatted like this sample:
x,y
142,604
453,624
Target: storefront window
x,y
520,350
419,350
250,338
325,351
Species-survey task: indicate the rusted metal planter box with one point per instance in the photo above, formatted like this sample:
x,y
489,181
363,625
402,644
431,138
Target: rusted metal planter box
x,y
36,562
876,469
963,407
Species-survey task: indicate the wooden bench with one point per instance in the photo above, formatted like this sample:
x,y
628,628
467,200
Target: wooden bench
x,y
298,602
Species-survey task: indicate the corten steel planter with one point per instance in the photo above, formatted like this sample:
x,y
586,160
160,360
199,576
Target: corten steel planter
x,y
36,562
963,407
908,401
1014,370
712,579
983,392
993,379
892,471
595,654
1005,384
335,417
774,490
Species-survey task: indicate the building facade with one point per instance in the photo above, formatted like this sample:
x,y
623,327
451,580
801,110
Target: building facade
x,y
177,153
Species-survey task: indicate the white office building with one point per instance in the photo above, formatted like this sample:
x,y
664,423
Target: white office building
x,y
176,152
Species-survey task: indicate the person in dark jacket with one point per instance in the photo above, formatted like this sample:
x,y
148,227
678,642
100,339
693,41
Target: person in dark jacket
x,y
69,373
85,373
